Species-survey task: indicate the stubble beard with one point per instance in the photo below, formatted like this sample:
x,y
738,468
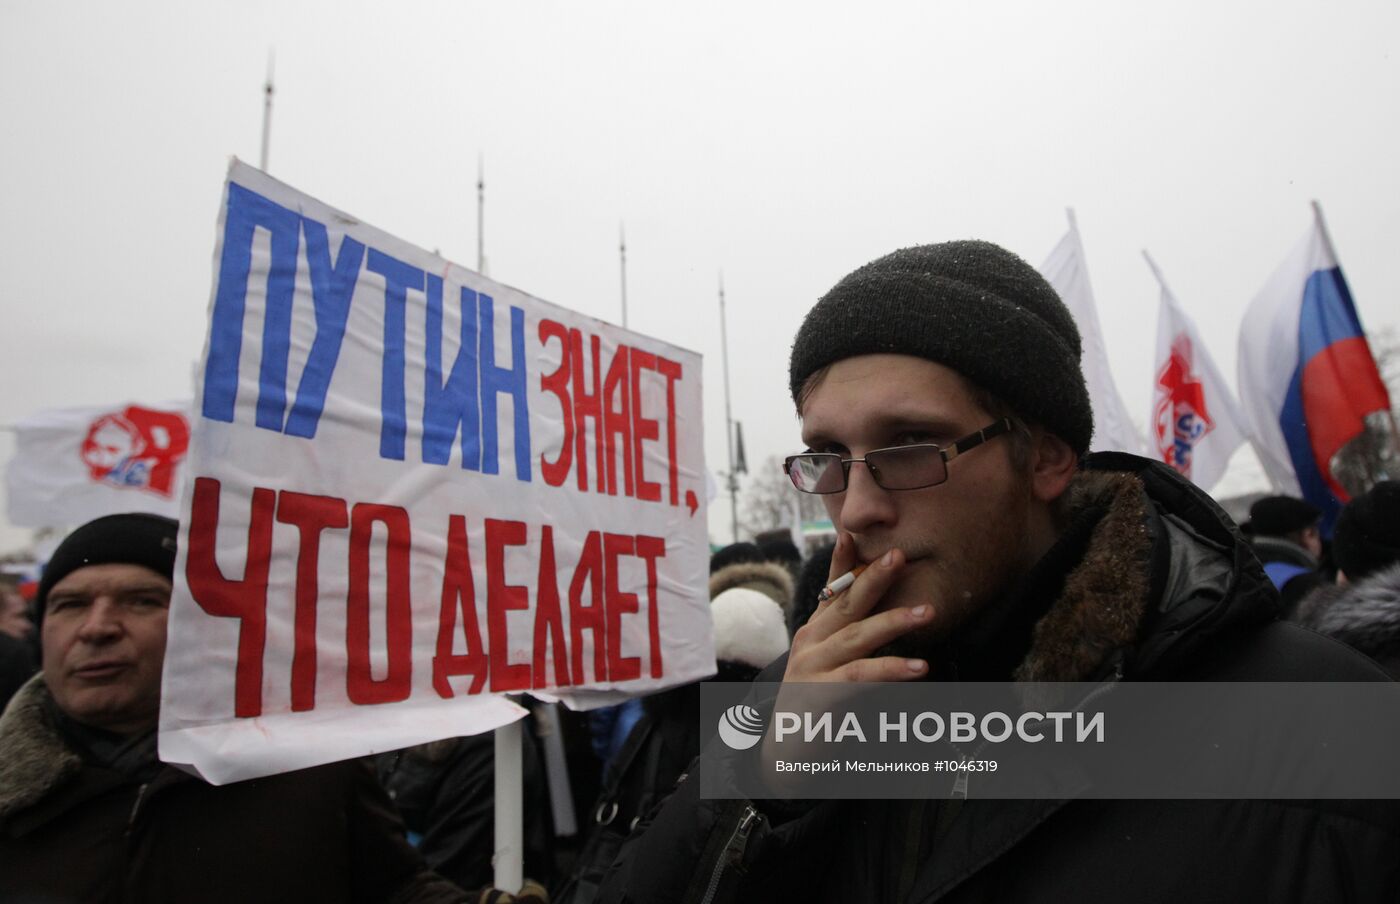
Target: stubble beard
x,y
992,559
957,600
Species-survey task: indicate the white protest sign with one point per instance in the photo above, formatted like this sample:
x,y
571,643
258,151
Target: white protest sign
x,y
411,490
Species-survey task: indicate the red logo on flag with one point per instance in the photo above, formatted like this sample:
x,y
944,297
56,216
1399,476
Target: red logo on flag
x,y
1181,419
137,448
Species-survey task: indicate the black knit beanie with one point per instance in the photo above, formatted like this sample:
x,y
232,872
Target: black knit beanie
x,y
1367,536
135,538
972,306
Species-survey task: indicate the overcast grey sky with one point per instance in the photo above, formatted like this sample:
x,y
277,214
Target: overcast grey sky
x,y
782,143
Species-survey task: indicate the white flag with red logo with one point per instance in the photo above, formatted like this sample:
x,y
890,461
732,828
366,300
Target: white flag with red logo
x,y
1066,271
1196,423
72,465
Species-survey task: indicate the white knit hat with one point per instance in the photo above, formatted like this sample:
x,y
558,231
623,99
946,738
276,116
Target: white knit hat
x,y
749,627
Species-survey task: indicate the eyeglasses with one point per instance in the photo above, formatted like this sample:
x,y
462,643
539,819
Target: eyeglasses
x,y
910,467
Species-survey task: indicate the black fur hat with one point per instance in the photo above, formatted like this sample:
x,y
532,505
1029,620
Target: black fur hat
x,y
1367,537
1279,516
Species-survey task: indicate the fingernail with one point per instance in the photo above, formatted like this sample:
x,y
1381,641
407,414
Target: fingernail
x,y
919,611
915,665
888,559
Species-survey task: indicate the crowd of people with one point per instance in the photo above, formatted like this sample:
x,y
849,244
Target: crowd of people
x,y
995,548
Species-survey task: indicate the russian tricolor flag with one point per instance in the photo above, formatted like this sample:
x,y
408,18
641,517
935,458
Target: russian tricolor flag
x,y
1307,378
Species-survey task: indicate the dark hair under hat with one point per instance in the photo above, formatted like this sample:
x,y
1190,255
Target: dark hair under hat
x,y
1279,516
972,306
1367,536
134,538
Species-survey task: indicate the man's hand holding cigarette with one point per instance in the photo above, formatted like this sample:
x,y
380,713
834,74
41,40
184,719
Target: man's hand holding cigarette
x,y
839,640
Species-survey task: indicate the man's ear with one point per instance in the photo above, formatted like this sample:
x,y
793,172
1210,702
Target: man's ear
x,y
1053,464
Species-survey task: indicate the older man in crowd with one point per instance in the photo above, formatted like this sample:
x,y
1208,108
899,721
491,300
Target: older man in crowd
x,y
89,813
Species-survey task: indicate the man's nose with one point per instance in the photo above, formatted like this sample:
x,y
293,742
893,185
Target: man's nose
x,y
102,621
865,504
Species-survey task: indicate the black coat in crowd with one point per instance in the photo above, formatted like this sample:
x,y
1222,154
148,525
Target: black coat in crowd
x,y
73,830
1364,615
446,793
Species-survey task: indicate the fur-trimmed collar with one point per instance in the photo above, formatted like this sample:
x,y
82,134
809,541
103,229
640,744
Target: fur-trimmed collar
x,y
1364,615
34,759
1105,596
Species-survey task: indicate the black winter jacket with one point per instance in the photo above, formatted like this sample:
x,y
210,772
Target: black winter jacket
x,y
72,831
445,791
1160,586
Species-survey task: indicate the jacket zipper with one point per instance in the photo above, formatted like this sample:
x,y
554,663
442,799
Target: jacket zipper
x,y
960,782
126,839
1107,687
140,796
733,852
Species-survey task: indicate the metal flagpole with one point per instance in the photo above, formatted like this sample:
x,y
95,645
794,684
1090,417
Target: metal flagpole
x,y
267,110
622,255
728,417
508,858
480,216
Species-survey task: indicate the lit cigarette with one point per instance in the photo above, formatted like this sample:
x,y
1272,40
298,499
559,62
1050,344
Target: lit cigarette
x,y
839,584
